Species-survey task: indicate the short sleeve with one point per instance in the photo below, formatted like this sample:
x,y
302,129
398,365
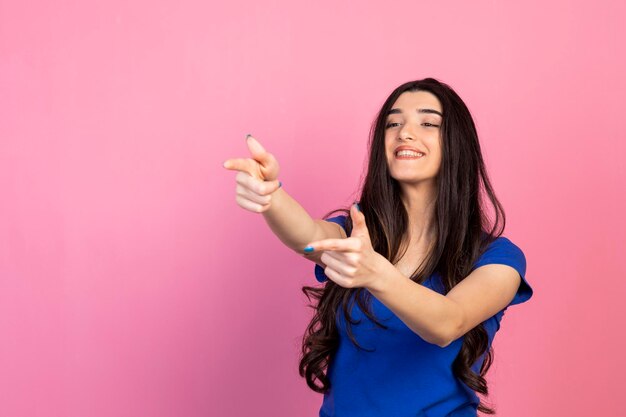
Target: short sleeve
x,y
503,251
319,271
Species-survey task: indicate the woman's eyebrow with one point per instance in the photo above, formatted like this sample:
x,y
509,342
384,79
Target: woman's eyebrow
x,y
396,111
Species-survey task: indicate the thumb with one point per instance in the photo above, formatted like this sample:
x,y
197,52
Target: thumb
x,y
359,227
268,165
257,151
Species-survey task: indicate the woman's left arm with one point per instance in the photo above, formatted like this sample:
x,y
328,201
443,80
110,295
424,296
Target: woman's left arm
x,y
436,318
441,319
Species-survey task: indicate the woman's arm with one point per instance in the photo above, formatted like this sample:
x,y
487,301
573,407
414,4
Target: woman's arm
x,y
291,223
437,318
441,319
259,191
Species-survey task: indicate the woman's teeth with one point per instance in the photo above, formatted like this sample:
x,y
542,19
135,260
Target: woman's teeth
x,y
410,154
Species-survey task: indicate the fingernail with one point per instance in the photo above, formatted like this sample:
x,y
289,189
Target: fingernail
x,y
248,136
357,206
308,249
280,184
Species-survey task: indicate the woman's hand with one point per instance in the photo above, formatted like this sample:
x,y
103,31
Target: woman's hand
x,y
352,262
257,177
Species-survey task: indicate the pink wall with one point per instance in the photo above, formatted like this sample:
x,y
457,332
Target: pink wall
x,y
131,284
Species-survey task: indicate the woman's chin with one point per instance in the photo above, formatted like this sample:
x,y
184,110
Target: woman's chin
x,y
413,179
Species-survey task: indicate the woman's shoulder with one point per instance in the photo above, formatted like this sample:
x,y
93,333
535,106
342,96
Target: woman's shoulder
x,y
501,247
339,219
502,250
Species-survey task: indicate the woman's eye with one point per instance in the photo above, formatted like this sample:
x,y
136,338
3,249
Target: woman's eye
x,y
430,125
392,124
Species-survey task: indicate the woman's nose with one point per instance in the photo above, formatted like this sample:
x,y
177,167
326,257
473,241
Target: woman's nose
x,y
406,133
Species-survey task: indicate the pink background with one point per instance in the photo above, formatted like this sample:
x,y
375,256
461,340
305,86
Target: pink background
x,y
131,283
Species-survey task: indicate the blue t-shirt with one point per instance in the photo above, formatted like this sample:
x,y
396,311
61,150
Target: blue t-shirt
x,y
404,375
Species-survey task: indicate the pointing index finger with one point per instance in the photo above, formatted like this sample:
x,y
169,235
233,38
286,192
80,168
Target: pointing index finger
x,y
339,245
240,164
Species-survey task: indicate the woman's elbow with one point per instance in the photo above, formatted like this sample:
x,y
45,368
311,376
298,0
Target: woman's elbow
x,y
451,332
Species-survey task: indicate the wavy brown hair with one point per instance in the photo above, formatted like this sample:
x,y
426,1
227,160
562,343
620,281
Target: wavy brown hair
x,y
463,232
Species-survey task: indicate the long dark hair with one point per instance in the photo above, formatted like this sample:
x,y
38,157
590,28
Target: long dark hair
x,y
462,235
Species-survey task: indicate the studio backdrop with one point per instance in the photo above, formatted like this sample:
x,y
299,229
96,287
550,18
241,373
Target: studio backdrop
x,y
132,284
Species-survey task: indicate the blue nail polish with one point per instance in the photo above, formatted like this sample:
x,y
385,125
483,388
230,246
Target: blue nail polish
x,y
280,184
357,206
308,249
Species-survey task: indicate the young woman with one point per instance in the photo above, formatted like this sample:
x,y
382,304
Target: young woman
x,y
415,277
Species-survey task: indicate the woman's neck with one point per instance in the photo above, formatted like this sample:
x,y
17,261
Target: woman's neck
x,y
419,202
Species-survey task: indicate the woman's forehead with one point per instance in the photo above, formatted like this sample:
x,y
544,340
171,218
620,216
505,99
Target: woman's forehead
x,y
417,99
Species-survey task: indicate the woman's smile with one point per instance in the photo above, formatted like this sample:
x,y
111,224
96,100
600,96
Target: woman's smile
x,y
409,155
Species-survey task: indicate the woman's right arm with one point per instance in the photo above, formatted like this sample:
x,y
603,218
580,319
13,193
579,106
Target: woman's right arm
x,y
258,190
291,223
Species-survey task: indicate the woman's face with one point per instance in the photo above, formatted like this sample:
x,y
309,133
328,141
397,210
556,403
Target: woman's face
x,y
414,123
